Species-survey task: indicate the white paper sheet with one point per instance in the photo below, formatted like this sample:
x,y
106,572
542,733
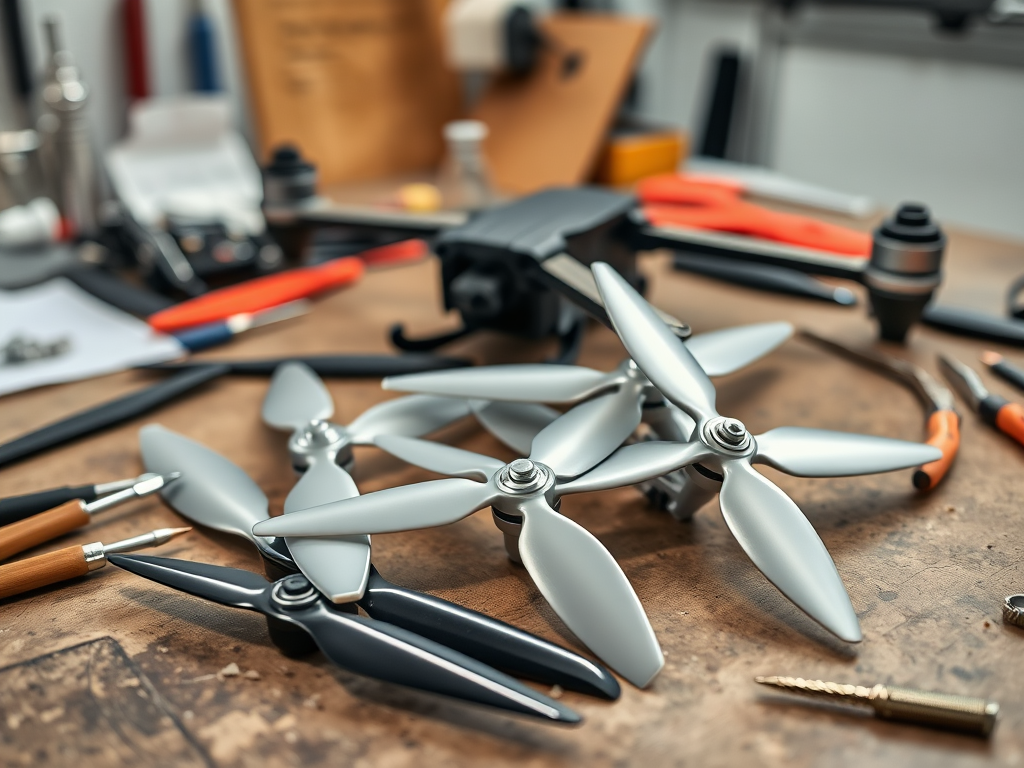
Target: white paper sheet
x,y
103,338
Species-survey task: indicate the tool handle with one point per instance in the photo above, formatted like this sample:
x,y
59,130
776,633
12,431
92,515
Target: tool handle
x,y
17,508
942,710
42,571
1010,421
257,294
107,414
204,336
41,528
348,366
944,434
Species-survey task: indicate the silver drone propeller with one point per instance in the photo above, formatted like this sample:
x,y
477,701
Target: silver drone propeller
x,y
221,496
571,568
719,353
768,525
298,401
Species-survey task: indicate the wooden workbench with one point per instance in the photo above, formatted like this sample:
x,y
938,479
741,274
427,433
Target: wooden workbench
x,y
114,670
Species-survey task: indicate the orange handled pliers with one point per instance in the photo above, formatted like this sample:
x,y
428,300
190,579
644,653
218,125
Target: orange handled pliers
x,y
943,420
677,200
997,411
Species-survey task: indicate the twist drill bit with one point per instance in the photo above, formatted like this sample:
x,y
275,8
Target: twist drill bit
x,y
939,710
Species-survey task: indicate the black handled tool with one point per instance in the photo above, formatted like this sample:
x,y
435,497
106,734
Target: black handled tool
x,y
299,617
971,322
15,508
108,414
331,366
765,278
1003,368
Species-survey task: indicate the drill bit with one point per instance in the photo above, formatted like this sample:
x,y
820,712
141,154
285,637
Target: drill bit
x,y
939,710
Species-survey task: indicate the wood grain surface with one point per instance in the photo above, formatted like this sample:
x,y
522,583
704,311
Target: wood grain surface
x,y
926,573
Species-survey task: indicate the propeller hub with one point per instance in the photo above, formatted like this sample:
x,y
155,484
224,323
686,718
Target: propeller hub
x,y
727,434
294,592
523,476
320,434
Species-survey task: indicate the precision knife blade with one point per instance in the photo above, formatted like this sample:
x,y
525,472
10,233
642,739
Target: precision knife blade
x,y
994,410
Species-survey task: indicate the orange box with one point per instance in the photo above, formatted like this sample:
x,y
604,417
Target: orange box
x,y
636,153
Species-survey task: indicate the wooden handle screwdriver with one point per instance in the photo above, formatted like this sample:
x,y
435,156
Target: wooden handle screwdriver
x,y
68,563
38,529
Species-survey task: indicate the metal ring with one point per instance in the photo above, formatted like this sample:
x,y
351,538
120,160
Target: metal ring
x,y
1013,610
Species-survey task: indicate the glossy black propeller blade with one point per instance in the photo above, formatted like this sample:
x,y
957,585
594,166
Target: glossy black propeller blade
x,y
227,586
108,414
336,366
364,646
485,639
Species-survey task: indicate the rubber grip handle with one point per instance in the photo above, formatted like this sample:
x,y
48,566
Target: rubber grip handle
x,y
1010,421
42,571
204,336
107,414
17,508
944,434
257,294
41,528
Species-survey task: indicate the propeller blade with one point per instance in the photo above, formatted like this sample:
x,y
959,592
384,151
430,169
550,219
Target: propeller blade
x,y
389,653
404,508
212,491
805,452
440,458
723,352
411,416
544,383
338,566
227,586
780,541
588,590
493,642
296,397
588,433
635,463
515,424
658,352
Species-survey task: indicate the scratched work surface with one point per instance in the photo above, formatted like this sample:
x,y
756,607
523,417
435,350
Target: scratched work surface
x,y
927,575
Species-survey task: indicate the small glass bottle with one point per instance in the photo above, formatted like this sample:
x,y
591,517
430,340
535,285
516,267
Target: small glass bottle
x,y
465,180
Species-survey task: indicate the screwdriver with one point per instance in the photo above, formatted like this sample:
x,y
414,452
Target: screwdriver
x,y
15,508
1004,368
997,411
939,710
35,530
68,563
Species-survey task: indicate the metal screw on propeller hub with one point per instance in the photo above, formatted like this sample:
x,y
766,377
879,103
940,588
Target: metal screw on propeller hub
x,y
522,476
522,470
730,434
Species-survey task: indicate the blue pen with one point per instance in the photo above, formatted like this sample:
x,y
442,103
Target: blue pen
x,y
211,334
203,47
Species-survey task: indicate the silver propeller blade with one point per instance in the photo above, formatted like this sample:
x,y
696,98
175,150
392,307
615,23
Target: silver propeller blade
x,y
658,352
588,433
440,458
636,463
780,541
723,352
805,452
411,416
588,590
517,383
515,424
212,490
338,566
296,397
405,508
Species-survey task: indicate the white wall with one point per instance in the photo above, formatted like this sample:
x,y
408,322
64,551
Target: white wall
x,y
931,125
